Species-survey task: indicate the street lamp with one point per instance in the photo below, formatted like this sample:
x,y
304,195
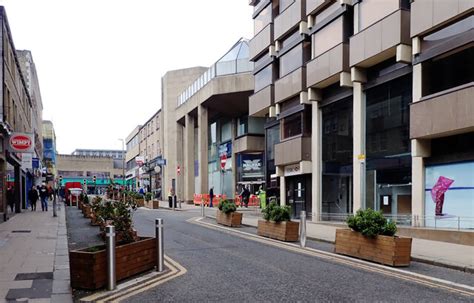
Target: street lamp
x,y
123,162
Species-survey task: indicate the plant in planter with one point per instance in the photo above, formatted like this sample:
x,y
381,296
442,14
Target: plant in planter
x,y
277,223
227,214
373,238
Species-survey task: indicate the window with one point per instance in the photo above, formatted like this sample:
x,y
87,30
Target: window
x,y
226,131
291,61
289,39
242,126
264,78
292,126
451,77
327,12
284,4
263,19
328,37
372,11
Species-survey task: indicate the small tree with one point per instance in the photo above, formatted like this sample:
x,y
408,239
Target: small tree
x,y
275,212
227,206
371,223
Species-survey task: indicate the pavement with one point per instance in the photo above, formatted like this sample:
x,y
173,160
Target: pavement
x,y
455,256
34,257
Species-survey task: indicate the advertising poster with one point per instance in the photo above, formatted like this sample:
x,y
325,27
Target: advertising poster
x,y
449,195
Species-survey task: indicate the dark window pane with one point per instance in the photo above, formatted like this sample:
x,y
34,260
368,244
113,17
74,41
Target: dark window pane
x,y
292,126
284,4
287,41
263,19
291,60
264,78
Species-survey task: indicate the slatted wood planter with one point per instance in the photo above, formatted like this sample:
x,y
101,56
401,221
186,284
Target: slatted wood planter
x,y
89,269
233,219
140,202
156,204
284,231
86,210
388,250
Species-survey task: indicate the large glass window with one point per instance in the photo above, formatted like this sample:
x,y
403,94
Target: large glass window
x,y
226,131
388,164
256,125
263,78
292,126
371,11
262,19
242,126
337,158
328,37
439,74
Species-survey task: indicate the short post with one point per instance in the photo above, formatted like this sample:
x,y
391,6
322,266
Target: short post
x,y
303,228
179,203
173,201
110,246
202,208
54,206
159,244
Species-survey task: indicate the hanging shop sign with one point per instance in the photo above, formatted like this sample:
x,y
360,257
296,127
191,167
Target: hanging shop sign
x,y
21,143
27,161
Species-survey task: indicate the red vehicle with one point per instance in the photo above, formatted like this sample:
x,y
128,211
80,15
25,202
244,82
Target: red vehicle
x,y
67,191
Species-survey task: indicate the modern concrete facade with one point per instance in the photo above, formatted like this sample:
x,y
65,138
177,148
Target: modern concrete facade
x,y
213,125
340,84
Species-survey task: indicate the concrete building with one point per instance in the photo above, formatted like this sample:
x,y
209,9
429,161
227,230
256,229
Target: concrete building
x,y
15,119
173,83
83,169
212,124
132,142
111,153
339,84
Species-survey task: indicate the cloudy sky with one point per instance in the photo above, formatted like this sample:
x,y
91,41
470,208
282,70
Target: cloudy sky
x,y
100,61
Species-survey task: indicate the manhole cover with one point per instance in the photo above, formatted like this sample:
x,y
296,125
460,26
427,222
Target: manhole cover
x,y
21,231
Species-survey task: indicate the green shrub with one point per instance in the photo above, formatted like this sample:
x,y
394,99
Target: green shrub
x,y
371,223
148,196
277,213
227,206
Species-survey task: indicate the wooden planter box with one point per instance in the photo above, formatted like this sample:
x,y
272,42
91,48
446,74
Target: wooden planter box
x,y
87,210
156,204
284,231
140,202
234,219
393,251
89,269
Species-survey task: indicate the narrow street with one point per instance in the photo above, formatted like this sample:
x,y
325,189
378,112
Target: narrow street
x,y
224,267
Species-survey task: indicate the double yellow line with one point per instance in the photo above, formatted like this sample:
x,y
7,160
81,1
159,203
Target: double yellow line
x,y
364,265
127,290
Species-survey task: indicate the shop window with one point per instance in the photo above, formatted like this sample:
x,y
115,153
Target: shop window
x,y
439,74
226,131
242,126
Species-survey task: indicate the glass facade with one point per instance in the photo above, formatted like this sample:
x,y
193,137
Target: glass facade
x,y
250,125
272,137
337,150
388,149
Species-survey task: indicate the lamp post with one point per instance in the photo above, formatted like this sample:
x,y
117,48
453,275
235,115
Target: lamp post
x,y
123,163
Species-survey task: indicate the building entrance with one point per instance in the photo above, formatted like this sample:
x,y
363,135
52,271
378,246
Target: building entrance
x,y
298,194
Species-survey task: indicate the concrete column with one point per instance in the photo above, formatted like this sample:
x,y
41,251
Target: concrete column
x,y
234,159
188,167
316,160
282,191
179,161
359,147
420,149
417,82
203,148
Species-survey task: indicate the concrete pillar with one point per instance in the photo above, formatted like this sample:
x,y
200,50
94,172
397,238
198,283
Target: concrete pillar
x,y
420,150
203,148
188,167
234,159
316,160
359,147
179,161
282,191
417,82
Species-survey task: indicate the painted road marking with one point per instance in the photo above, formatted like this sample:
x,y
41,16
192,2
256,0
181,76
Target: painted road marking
x,y
128,289
361,264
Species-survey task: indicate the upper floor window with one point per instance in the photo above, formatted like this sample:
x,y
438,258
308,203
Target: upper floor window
x,y
264,78
284,4
294,58
263,19
372,11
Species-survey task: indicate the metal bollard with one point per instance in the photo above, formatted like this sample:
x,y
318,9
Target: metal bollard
x,y
110,246
159,244
54,206
202,209
179,203
303,228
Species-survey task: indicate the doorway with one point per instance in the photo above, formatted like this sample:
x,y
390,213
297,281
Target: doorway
x,y
298,194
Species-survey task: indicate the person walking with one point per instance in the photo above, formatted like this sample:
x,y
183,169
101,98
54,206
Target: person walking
x,y
211,196
11,197
44,194
245,197
170,197
262,196
33,197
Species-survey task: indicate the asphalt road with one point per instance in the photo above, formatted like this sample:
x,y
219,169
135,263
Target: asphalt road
x,y
225,268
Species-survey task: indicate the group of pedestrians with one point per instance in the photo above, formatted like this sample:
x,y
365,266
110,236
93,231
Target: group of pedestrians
x,y
43,193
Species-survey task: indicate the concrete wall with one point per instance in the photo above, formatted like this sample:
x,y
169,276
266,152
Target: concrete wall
x,y
84,164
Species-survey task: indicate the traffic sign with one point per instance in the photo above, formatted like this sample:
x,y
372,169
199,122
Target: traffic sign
x,y
161,161
223,160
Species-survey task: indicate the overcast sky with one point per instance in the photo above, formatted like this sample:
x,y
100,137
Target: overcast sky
x,y
100,61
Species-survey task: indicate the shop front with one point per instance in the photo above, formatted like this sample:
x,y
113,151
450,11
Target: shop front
x,y
250,172
298,188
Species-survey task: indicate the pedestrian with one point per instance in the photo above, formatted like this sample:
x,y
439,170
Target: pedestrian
x,y
245,194
170,197
11,197
263,197
44,194
33,197
211,195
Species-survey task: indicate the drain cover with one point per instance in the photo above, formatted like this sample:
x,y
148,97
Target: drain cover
x,y
21,231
